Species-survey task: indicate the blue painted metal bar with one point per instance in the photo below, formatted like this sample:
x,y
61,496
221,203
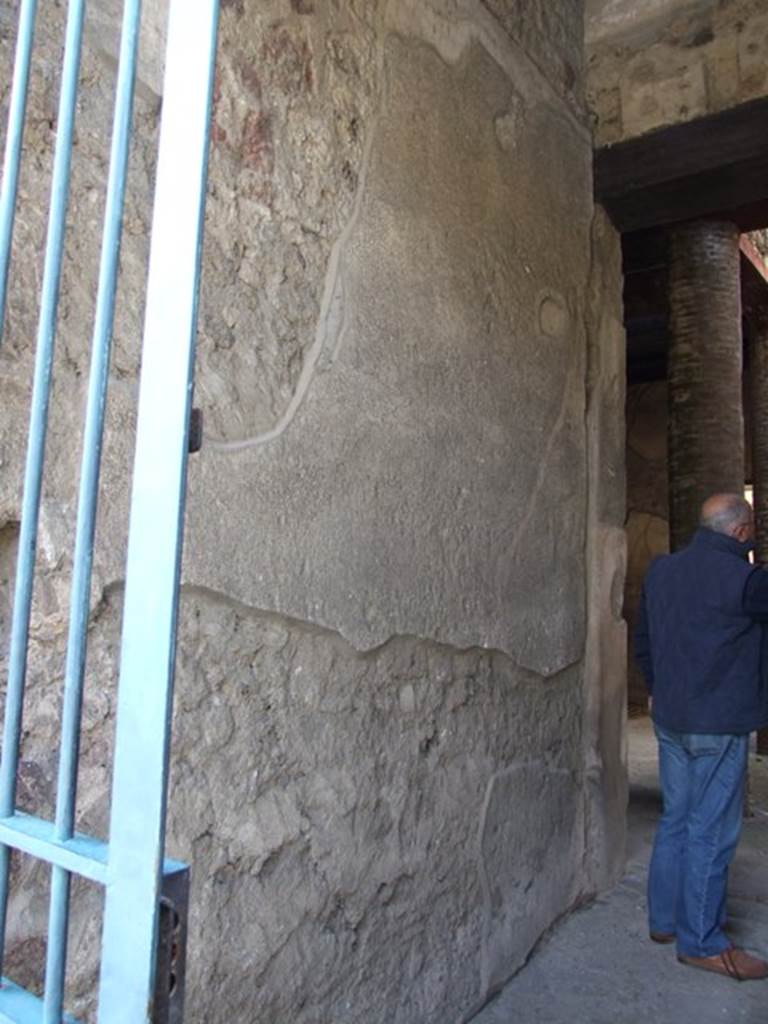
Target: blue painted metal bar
x,y
13,140
87,504
17,1006
79,854
137,828
33,476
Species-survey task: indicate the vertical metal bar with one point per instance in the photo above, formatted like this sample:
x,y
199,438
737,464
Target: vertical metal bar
x,y
137,828
33,475
13,141
87,504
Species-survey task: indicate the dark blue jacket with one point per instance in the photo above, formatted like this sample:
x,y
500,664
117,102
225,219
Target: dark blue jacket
x,y
700,638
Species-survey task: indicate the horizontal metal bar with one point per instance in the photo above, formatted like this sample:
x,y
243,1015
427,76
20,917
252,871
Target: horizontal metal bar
x,y
17,1006
81,854
174,867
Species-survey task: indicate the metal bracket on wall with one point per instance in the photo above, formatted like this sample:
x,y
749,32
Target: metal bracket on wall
x,y
195,431
170,971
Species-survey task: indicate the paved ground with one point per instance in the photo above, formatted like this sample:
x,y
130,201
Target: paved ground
x,y
599,967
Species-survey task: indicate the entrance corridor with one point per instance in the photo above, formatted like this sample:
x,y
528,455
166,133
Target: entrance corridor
x,y
599,967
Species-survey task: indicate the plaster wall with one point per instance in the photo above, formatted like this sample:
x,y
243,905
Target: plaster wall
x,y
647,504
663,62
760,241
398,738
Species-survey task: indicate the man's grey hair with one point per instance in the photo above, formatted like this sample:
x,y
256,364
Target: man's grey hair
x,y
732,511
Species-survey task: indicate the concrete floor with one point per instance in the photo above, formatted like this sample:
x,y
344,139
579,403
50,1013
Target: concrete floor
x,y
599,967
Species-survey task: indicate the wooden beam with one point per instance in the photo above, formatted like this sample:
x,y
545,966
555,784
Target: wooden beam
x,y
714,166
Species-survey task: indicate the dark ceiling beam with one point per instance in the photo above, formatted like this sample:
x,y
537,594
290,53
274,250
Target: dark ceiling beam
x,y
714,166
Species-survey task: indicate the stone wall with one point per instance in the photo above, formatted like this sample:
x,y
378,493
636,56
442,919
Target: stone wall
x,y
760,241
605,691
660,63
398,738
647,504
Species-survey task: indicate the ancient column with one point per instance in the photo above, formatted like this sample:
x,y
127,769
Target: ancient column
x,y
758,402
706,422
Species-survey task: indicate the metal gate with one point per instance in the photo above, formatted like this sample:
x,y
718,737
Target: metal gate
x,y
131,865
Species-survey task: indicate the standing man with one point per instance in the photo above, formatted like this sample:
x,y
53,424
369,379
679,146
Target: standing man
x,y
699,643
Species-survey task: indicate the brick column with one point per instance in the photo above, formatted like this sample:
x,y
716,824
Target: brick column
x,y
706,422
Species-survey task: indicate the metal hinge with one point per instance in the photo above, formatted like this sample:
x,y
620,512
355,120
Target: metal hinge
x,y
168,1003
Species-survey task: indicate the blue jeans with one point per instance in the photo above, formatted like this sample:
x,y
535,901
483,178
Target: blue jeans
x,y
702,784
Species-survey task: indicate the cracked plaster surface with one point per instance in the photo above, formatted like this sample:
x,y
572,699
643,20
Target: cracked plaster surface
x,y
384,613
430,293
372,784
371,503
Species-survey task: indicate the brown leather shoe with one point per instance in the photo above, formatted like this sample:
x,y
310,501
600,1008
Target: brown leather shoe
x,y
733,963
664,938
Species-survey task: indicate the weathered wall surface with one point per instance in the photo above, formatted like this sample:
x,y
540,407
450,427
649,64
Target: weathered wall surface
x,y
412,384
647,503
605,696
660,63
760,241
398,734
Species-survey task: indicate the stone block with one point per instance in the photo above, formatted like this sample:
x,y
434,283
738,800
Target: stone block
x,y
723,79
604,103
753,58
657,92
673,60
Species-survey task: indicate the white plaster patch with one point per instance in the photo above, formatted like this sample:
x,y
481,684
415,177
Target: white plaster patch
x,y
509,125
451,26
408,700
553,316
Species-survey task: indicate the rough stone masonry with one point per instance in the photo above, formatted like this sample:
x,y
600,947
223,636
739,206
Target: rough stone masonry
x,y
663,62
398,739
